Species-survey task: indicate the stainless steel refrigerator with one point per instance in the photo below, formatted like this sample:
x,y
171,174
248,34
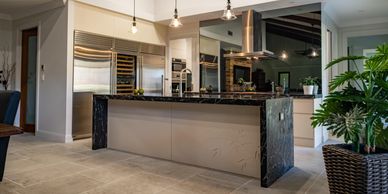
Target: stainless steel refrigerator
x,y
97,70
151,71
93,70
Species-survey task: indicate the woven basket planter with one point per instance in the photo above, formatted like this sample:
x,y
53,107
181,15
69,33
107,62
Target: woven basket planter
x,y
351,172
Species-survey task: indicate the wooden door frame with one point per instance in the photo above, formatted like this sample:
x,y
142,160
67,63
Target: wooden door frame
x,y
24,78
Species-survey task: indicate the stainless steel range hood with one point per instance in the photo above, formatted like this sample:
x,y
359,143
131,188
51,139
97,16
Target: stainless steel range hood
x,y
252,43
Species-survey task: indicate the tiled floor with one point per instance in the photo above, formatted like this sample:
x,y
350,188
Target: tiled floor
x,y
39,167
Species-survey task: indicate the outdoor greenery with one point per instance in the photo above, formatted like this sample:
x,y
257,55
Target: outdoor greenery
x,y
357,105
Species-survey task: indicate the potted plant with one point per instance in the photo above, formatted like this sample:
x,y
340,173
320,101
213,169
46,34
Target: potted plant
x,y
308,85
7,69
356,109
317,83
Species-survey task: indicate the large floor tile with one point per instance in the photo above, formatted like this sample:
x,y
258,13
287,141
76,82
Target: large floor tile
x,y
37,166
253,187
228,178
296,180
12,156
320,185
104,158
16,166
8,187
111,172
138,183
31,177
65,185
202,184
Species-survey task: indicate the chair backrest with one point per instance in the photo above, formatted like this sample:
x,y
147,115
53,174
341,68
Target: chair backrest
x,y
9,102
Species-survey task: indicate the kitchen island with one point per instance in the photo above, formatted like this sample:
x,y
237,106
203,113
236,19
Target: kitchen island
x,y
248,135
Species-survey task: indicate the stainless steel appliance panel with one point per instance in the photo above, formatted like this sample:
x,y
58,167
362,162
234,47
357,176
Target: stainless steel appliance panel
x,y
152,74
92,70
82,114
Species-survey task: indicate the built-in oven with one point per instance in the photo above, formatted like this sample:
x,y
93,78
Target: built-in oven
x,y
178,64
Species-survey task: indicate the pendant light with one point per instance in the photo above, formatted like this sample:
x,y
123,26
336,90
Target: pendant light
x,y
228,13
134,27
175,21
314,51
284,55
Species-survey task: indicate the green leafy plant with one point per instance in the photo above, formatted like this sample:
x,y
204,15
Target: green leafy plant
x,y
357,105
309,81
317,81
241,81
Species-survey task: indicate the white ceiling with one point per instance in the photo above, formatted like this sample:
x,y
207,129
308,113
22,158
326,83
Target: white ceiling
x,y
357,12
16,8
343,12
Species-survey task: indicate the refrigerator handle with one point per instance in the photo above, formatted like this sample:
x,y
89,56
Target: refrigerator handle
x,y
141,72
113,86
162,84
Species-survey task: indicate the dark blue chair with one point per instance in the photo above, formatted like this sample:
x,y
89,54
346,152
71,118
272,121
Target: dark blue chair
x,y
9,102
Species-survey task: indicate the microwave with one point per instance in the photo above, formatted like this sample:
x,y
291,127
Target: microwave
x,y
178,64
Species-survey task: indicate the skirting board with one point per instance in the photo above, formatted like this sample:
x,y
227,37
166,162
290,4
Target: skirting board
x,y
55,137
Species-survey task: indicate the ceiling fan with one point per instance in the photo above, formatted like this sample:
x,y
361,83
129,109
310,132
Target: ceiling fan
x,y
310,52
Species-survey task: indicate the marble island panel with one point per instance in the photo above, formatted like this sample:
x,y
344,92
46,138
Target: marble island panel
x,y
213,128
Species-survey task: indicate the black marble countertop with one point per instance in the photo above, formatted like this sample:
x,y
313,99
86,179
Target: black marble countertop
x,y
303,96
296,95
251,100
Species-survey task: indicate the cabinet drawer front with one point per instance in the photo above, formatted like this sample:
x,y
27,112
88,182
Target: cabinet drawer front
x,y
304,106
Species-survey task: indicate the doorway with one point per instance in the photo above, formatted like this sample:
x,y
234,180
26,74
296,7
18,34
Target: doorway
x,y
28,79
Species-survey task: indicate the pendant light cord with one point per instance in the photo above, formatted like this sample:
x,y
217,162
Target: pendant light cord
x,y
134,10
176,7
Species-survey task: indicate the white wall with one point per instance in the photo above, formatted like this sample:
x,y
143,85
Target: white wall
x,y
220,32
327,75
144,8
100,21
356,31
178,48
52,118
357,45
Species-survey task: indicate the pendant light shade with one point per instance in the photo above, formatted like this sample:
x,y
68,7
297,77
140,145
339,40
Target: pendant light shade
x,y
314,52
228,12
134,27
284,55
175,21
